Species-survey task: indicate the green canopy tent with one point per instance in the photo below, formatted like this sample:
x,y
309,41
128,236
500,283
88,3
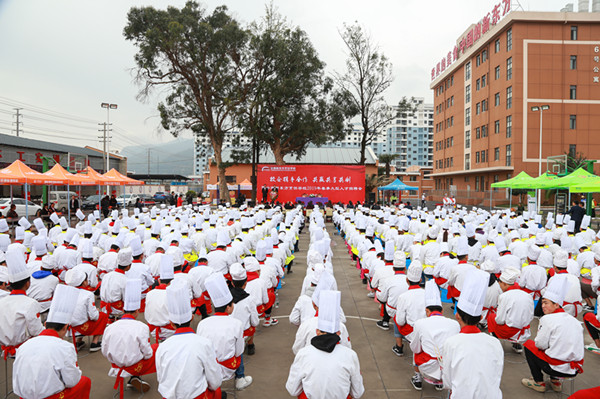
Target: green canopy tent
x,y
521,179
538,182
578,177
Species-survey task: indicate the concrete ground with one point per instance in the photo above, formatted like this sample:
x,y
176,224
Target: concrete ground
x,y
385,375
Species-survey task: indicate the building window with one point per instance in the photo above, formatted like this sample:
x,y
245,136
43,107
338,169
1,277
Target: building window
x,y
477,108
451,161
483,80
497,99
484,131
497,73
468,71
483,56
477,85
573,33
452,80
497,154
476,183
497,127
572,150
573,62
573,92
509,126
467,161
468,139
509,39
484,105
483,155
508,155
468,116
573,122
478,60
497,46
509,69
509,97
477,133
468,94
477,157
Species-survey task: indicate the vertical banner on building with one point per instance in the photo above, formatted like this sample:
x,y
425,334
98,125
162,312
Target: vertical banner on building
x,y
337,183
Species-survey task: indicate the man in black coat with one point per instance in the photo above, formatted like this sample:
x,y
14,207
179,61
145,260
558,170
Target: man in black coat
x,y
577,213
265,193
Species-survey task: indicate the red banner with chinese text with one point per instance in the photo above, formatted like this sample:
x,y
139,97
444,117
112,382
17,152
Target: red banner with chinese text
x,y
336,182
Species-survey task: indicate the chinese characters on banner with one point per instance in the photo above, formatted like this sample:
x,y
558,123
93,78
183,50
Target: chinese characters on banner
x,y
596,67
337,183
471,37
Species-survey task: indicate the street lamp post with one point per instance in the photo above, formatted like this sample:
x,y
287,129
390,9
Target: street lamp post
x,y
108,107
541,110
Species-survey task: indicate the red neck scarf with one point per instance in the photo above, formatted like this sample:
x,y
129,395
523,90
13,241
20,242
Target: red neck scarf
x,y
469,330
18,292
184,330
50,333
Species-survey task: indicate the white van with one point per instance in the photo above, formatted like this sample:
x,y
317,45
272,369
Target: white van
x,y
60,199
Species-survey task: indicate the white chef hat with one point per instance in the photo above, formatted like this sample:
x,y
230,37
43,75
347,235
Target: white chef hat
x,y
540,239
75,277
217,289
79,214
3,274
561,258
69,234
413,274
462,246
64,301
585,222
133,295
19,233
433,232
155,230
251,264
87,228
389,250
261,250
124,257
177,255
17,269
24,223
316,274
329,311
560,219
557,289
500,244
399,260
186,245
178,304
202,254
469,229
432,294
87,250
3,226
488,266
237,272
39,245
473,293
326,282
509,275
39,224
166,267
74,241
49,262
571,226
114,214
136,246
533,252
223,238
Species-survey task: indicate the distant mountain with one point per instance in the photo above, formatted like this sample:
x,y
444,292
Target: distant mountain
x,y
175,157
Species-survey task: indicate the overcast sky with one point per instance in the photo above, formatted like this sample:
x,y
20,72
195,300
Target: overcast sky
x,y
68,56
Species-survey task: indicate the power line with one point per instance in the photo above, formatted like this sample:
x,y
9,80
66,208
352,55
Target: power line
x,y
41,110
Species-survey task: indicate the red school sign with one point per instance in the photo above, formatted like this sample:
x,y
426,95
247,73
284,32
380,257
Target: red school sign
x,y
336,182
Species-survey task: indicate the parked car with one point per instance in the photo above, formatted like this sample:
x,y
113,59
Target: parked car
x,y
91,202
32,209
60,199
128,199
147,200
161,196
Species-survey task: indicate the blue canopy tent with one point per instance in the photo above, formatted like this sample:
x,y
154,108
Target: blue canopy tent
x,y
397,185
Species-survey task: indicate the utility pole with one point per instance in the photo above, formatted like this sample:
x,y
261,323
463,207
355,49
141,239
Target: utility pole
x,y
148,161
105,138
18,123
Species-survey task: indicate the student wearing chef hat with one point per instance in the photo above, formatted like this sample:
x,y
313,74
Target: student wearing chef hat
x,y
410,307
225,332
429,335
186,363
515,311
112,290
317,366
558,346
46,366
126,342
20,314
471,347
245,308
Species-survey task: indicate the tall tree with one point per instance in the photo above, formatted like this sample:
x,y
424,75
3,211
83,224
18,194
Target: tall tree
x,y
291,104
195,59
387,159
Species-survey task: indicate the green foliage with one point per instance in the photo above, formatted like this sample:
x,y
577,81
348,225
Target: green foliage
x,y
386,159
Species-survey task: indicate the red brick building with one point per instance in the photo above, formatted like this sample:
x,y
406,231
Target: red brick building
x,y
484,127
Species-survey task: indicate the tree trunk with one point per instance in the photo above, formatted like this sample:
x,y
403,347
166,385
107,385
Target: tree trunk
x,y
223,190
276,148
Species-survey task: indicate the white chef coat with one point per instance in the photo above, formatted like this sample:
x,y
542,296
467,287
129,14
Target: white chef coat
x,y
219,260
519,249
322,375
150,246
198,276
108,261
560,335
186,366
507,260
113,287
257,289
156,312
573,299
429,336
410,307
226,334
42,289
245,311
153,262
85,309
472,366
533,277
515,309
458,273
429,253
90,271
45,365
442,268
303,310
391,288
308,331
125,343
19,319
139,270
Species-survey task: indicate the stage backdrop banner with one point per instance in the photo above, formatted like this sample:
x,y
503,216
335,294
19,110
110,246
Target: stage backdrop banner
x,y
337,182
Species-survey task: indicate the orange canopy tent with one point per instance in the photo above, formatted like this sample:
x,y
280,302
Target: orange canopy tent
x,y
126,181
100,179
19,173
76,180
